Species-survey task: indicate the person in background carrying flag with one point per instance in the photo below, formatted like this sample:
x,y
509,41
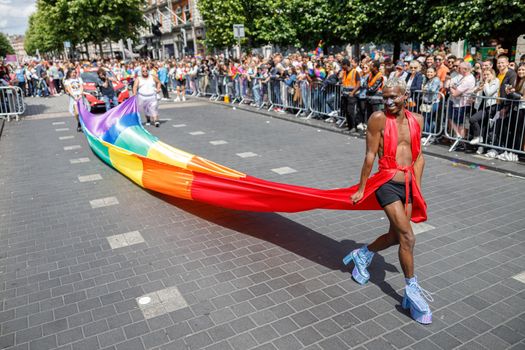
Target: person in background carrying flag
x,y
146,88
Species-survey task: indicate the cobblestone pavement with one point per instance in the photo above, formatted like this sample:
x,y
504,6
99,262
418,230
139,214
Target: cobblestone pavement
x,y
88,260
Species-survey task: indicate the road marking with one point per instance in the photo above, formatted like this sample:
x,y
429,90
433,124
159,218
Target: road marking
x,y
86,178
195,133
284,170
520,277
66,137
78,160
103,202
179,125
165,119
421,227
62,129
125,239
59,123
71,148
161,302
218,142
247,154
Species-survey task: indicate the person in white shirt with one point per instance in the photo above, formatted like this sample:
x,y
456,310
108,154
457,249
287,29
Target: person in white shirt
x,y
486,105
461,95
146,87
180,82
73,87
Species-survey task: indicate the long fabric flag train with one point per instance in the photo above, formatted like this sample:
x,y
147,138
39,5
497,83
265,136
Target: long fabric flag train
x,y
119,139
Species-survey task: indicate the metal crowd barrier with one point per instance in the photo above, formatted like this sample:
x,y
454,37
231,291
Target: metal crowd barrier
x,y
325,100
490,122
292,98
431,105
11,102
222,87
204,85
499,123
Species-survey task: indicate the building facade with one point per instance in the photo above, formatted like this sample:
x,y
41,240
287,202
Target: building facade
x,y
17,42
175,28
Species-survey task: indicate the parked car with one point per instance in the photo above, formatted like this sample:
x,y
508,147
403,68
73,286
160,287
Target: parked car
x,y
89,79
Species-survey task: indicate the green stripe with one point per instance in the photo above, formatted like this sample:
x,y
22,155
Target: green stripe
x,y
136,139
99,149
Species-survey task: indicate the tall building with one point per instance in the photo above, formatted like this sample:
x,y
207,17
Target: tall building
x,y
175,28
17,42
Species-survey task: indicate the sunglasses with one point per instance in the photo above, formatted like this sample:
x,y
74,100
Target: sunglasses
x,y
455,66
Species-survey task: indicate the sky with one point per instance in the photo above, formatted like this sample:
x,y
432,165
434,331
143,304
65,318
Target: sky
x,y
17,12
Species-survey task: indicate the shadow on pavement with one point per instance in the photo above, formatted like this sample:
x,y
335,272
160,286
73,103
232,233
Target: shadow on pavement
x,y
290,235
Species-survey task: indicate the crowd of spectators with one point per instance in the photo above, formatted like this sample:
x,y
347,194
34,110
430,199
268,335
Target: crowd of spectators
x,y
342,88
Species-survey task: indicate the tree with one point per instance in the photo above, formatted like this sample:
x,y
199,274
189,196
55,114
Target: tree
x,y
47,30
5,46
100,20
316,20
220,16
383,21
477,20
81,21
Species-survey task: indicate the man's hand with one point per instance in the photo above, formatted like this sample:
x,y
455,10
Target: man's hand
x,y
356,197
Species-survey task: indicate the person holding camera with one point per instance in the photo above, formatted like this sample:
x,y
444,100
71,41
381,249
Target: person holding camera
x,y
106,90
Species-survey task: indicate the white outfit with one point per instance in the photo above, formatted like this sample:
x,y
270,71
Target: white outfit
x,y
147,96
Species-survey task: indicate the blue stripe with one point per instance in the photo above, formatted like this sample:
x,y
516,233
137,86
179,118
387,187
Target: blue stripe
x,y
123,123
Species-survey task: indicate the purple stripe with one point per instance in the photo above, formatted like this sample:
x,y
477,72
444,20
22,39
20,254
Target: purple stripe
x,y
98,124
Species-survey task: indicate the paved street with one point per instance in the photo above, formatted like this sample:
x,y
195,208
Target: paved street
x,y
88,260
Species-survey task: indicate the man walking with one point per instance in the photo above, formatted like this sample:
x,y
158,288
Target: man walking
x,y
146,88
394,135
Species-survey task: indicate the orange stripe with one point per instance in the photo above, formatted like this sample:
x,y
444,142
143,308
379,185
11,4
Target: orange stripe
x,y
166,178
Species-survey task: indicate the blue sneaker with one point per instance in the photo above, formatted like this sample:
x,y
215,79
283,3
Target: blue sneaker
x,y
362,258
414,299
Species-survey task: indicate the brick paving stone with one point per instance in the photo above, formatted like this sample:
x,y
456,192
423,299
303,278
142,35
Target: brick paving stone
x,y
250,280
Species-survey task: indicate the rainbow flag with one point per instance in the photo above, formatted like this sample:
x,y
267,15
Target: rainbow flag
x,y
468,58
118,138
319,49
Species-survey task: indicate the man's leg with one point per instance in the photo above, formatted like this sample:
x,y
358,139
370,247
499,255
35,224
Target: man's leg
x,y
106,100
414,297
400,226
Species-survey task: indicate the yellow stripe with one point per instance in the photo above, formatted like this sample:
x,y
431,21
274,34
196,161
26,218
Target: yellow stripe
x,y
127,163
170,155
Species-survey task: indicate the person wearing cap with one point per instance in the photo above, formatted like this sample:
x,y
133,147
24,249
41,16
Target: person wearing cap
x,y
399,72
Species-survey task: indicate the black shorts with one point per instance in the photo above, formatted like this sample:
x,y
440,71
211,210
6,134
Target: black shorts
x,y
392,191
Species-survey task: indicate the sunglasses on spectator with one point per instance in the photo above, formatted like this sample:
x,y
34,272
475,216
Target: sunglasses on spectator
x,y
455,66
439,59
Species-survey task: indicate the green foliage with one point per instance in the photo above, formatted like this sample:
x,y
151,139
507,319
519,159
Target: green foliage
x,y
477,20
82,21
5,46
220,16
305,22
